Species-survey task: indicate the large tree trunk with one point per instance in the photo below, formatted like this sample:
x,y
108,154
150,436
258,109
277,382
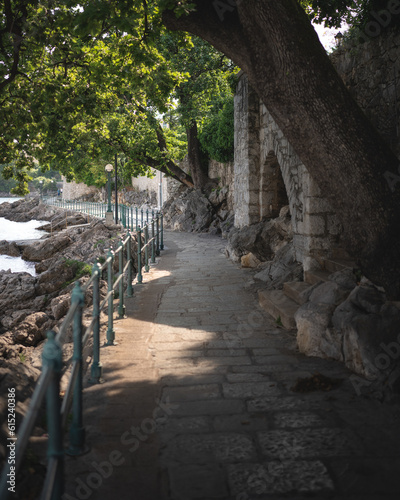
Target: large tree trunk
x,y
199,175
275,44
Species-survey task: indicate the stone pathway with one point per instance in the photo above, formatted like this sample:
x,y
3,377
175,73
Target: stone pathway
x,y
198,404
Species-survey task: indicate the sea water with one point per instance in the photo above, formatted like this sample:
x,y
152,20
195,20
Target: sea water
x,y
15,231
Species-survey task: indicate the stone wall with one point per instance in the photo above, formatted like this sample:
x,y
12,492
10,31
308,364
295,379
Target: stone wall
x,y
225,174
264,163
372,73
73,190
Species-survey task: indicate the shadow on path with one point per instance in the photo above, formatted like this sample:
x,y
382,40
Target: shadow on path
x,y
198,402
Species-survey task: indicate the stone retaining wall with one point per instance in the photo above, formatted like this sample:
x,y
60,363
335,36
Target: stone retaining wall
x,y
372,72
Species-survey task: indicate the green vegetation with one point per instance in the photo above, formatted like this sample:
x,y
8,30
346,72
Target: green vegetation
x,y
89,80
80,269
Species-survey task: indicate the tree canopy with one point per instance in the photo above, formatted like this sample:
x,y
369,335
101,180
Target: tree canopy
x,y
81,81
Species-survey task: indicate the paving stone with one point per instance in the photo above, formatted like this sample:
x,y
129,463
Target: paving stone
x,y
247,377
226,352
279,477
214,407
175,380
198,482
188,353
224,360
184,424
308,443
274,360
299,419
192,393
245,390
209,448
241,423
271,404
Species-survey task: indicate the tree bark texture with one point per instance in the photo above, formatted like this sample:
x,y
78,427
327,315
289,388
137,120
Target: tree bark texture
x,y
275,44
199,175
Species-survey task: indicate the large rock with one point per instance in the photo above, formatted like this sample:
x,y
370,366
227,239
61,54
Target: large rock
x,y
281,269
370,329
45,249
312,321
263,239
189,212
9,248
29,332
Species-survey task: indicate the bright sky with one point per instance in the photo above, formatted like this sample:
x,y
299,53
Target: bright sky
x,y
327,35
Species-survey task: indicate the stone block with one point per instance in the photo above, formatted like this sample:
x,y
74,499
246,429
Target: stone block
x,y
308,443
197,482
209,449
279,477
213,407
192,393
245,390
314,225
313,205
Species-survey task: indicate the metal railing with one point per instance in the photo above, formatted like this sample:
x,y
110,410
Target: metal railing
x,y
48,384
129,216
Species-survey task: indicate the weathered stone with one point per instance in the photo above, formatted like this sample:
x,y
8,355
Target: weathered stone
x,y
329,293
312,320
47,248
279,477
9,248
29,332
59,305
209,448
281,269
190,212
249,260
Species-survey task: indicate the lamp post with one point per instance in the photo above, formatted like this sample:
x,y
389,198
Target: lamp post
x,y
116,188
109,215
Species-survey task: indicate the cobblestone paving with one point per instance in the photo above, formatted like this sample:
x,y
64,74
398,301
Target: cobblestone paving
x,y
207,377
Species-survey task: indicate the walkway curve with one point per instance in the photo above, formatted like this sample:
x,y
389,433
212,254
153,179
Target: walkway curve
x,y
197,402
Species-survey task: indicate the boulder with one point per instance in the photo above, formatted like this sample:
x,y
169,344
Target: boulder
x,y
281,269
60,305
9,248
263,239
47,248
190,212
329,293
249,260
312,321
29,332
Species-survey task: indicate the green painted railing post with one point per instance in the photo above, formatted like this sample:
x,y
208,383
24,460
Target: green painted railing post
x,y
146,249
137,224
129,290
147,216
139,254
77,431
158,235
110,282
162,231
153,244
121,306
52,358
96,368
141,217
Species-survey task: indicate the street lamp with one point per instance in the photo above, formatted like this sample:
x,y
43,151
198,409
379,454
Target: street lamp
x,y
109,215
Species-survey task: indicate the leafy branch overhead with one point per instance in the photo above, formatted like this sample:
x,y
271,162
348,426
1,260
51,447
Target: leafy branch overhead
x,y
98,78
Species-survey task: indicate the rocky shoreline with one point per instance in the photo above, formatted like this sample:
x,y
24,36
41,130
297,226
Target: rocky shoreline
x,y
30,306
